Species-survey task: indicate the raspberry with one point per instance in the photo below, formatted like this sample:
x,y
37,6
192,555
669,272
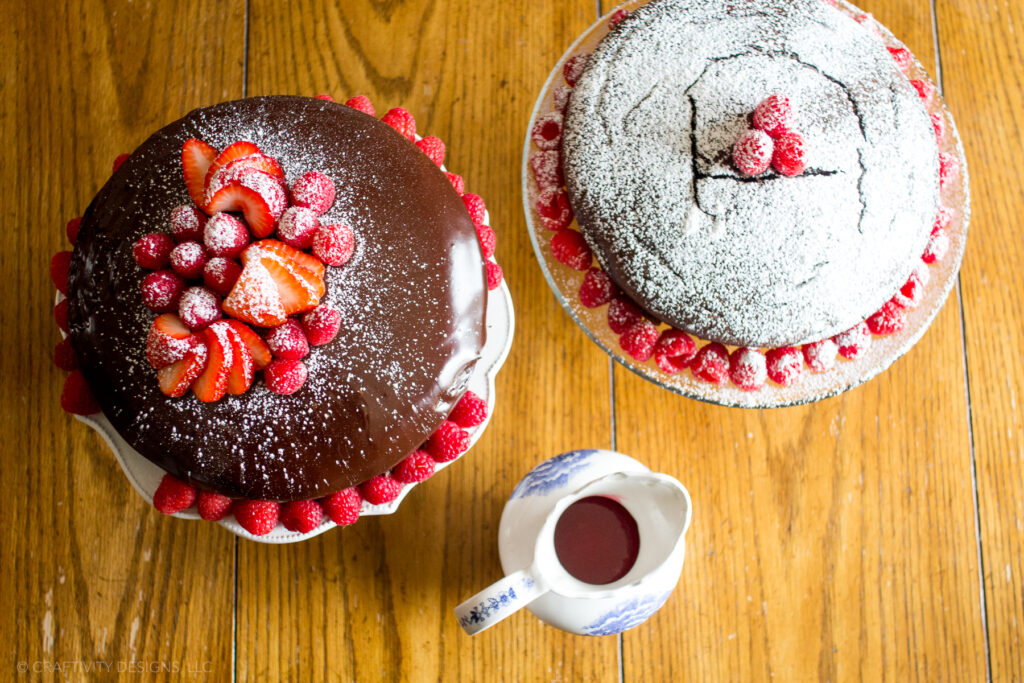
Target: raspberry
x,y
324,97
188,260
902,57
788,158
639,340
470,411
60,314
285,376
288,341
820,356
72,229
488,240
314,191
623,314
774,115
674,351
475,206
554,209
912,291
547,131
597,288
747,368
939,124
948,166
494,275
362,103
889,319
752,153
213,507
854,342
258,517
153,251
321,325
711,363
433,147
161,290
297,226
547,169
402,121
343,506
456,180
937,246
302,516
617,18
924,89
64,355
574,67
333,244
418,466
187,223
76,397
942,219
60,264
448,442
785,365
118,160
224,235
380,489
173,495
560,97
220,275
570,249
198,307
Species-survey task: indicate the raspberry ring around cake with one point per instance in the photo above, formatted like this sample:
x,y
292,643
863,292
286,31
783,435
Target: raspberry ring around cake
x,y
564,257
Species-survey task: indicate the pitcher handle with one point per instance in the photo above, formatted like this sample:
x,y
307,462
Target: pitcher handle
x,y
499,600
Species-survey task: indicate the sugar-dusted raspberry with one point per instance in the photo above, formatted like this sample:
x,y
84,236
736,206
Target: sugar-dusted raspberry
x,y
910,294
939,125
948,167
617,18
574,67
774,115
623,314
560,97
60,266
297,226
343,506
889,319
302,516
77,397
488,240
418,466
402,121
258,517
868,21
323,96
288,340
118,160
161,291
362,103
433,147
334,244
321,325
674,351
380,489
188,260
747,368
64,355
475,206
220,274
752,153
60,314
470,411
153,251
711,363
902,57
314,191
788,158
284,376
570,249
71,229
785,365
448,442
456,180
173,495
554,209
639,340
224,235
547,131
854,342
942,219
546,165
198,307
494,275
597,288
187,223
924,89
820,356
938,245
213,507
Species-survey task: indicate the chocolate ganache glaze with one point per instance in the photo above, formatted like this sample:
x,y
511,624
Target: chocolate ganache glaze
x,y
412,302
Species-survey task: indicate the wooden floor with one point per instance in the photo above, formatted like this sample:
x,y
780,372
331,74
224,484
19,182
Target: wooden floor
x,y
878,535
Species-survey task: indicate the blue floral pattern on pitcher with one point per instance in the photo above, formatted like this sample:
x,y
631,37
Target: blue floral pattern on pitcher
x,y
552,474
626,615
492,605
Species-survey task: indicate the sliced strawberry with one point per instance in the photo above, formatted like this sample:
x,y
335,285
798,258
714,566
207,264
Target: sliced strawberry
x,y
254,298
270,187
258,349
213,383
235,150
196,160
169,341
261,162
236,197
311,263
176,378
297,293
241,372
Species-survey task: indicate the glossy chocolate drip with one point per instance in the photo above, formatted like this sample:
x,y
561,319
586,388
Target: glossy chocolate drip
x,y
412,301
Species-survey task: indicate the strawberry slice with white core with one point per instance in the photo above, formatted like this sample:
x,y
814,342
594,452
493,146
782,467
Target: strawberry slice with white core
x,y
235,150
270,187
310,263
250,202
169,341
258,349
298,294
176,378
241,373
196,160
254,298
213,383
261,162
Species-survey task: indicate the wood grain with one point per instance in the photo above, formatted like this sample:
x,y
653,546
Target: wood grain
x,y
93,576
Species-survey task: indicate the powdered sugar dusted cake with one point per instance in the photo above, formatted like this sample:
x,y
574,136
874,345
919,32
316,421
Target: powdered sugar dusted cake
x,y
758,260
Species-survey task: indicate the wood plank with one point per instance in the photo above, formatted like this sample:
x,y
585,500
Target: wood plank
x,y
831,541
983,69
95,577
374,602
